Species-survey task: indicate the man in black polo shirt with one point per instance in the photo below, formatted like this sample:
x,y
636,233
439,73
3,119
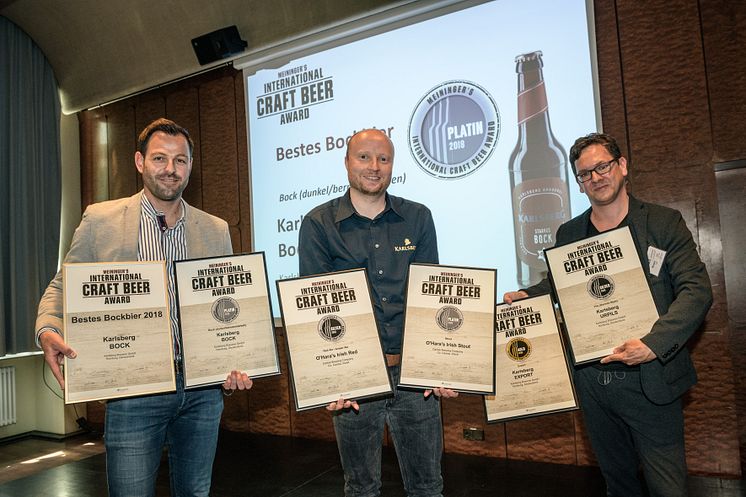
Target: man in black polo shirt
x,y
369,228
631,400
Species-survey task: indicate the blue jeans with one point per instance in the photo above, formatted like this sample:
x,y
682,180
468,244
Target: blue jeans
x,y
138,428
627,432
416,429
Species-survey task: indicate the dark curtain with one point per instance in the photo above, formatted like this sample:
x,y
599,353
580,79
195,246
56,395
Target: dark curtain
x,y
30,191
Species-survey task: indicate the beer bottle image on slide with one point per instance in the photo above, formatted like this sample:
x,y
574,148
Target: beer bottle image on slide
x,y
538,174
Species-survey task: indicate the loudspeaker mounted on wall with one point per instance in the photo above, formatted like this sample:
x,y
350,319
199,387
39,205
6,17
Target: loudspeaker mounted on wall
x,y
218,45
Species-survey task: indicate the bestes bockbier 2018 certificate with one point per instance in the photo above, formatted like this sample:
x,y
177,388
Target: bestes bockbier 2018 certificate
x,y
602,291
333,345
225,318
116,318
531,371
449,337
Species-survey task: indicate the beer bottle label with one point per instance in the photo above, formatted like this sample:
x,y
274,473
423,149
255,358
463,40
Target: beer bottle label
x,y
540,206
532,102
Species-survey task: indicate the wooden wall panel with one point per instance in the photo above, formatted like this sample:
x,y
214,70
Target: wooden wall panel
x,y
270,398
182,107
611,83
86,124
219,150
664,83
244,226
316,423
583,451
124,179
94,171
148,107
724,36
731,185
547,438
464,412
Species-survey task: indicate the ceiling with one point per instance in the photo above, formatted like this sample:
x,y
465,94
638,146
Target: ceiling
x,y
101,50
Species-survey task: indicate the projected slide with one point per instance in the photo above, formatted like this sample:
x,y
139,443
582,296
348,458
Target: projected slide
x,y
482,106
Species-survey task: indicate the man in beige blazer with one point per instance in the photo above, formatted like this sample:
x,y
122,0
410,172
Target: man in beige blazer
x,y
154,224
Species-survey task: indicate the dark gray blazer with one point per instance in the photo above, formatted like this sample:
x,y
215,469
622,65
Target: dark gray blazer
x,y
681,291
108,232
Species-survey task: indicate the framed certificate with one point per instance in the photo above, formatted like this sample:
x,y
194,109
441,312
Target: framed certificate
x,y
603,293
532,373
449,328
334,349
225,318
116,317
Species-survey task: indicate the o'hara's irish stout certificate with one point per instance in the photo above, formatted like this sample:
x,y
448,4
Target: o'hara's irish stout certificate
x,y
449,329
225,318
531,371
603,293
117,320
334,349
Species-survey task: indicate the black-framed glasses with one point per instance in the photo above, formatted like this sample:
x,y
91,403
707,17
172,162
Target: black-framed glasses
x,y
600,169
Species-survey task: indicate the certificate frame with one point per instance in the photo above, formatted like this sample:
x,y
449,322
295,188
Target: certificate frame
x,y
225,318
448,336
333,345
532,373
603,293
120,312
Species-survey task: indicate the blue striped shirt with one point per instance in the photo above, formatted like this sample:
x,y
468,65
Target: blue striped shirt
x,y
169,244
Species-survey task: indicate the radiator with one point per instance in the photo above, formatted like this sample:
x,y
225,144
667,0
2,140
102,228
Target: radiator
x,y
7,395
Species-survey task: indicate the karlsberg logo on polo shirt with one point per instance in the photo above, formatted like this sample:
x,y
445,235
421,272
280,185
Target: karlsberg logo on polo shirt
x,y
407,246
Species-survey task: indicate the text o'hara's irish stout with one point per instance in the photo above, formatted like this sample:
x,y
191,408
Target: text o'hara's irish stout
x,y
538,174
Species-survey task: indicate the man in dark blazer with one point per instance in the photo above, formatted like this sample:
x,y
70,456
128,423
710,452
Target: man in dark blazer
x,y
631,400
154,224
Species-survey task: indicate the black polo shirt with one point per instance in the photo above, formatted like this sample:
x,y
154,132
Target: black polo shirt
x,y
334,237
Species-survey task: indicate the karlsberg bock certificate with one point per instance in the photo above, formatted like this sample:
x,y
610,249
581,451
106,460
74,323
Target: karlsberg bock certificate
x,y
116,318
449,329
603,293
225,318
531,369
334,349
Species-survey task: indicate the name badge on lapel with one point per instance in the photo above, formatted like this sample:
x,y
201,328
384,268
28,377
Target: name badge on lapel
x,y
655,256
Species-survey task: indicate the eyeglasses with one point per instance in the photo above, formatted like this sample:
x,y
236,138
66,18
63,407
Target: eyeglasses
x,y
600,169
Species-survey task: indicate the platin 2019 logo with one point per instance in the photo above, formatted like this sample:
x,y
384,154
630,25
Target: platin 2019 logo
x,y
454,129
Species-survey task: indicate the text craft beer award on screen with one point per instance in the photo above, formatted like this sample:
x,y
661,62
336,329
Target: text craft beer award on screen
x,y
117,320
449,329
603,293
532,375
334,349
225,318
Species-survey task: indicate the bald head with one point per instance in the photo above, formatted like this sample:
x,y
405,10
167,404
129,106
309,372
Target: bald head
x,y
369,133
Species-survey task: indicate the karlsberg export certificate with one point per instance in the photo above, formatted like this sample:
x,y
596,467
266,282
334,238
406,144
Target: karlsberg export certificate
x,y
449,328
334,349
116,318
531,372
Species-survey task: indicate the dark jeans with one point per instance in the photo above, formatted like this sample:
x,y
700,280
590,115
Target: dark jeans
x,y
416,429
628,431
138,428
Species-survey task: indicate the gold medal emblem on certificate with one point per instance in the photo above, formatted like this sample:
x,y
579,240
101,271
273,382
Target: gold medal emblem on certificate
x,y
518,349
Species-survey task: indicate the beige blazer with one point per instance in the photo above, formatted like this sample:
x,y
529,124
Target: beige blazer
x,y
109,231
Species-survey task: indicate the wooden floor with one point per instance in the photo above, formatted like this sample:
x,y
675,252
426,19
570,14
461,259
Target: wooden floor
x,y
268,466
